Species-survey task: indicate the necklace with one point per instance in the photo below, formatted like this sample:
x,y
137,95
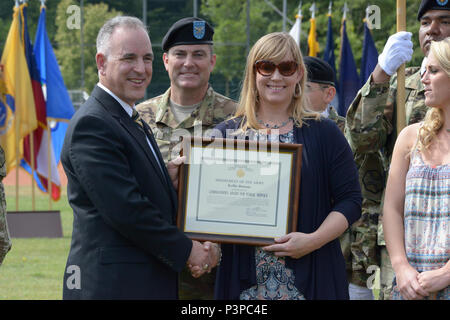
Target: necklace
x,y
276,126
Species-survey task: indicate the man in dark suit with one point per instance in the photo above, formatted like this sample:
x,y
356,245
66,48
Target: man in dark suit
x,y
125,244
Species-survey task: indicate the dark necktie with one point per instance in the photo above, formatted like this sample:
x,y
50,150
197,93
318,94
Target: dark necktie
x,y
137,118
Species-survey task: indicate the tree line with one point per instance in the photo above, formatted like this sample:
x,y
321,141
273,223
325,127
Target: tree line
x,y
229,18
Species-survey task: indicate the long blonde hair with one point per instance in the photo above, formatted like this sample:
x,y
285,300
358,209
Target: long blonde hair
x,y
274,47
434,118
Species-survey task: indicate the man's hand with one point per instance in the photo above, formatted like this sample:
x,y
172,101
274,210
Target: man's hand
x,y
213,257
173,167
397,51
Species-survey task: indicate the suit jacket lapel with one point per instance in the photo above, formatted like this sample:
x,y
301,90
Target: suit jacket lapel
x,y
161,160
116,110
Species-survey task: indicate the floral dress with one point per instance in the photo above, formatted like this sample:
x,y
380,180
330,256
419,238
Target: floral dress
x,y
427,219
274,280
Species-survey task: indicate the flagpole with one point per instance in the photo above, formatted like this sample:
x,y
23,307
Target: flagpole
x,y
49,162
31,134
344,16
300,21
401,26
49,140
32,159
17,116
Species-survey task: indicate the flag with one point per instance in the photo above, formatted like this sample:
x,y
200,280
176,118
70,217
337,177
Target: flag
x,y
296,30
40,135
369,58
329,57
17,112
313,45
348,77
59,105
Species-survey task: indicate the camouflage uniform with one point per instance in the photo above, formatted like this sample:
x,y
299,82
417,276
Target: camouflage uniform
x,y
339,120
5,242
214,109
371,133
357,254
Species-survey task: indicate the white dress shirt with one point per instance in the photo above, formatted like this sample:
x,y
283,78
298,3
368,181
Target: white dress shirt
x,y
129,110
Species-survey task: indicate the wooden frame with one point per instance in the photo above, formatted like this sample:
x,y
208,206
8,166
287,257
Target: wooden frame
x,y
214,205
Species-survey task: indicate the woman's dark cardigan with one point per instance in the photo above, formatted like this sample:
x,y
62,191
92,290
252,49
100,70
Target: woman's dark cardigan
x,y
329,182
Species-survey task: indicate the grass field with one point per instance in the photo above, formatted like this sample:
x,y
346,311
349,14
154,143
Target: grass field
x,y
34,268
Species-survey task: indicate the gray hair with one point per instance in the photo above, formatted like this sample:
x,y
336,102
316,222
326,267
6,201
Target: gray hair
x,y
108,28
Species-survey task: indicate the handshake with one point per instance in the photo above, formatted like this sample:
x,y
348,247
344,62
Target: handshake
x,y
203,257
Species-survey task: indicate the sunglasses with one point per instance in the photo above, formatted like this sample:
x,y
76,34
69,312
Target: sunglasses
x,y
267,68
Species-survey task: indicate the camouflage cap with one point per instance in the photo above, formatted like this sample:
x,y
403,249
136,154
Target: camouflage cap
x,y
432,5
188,31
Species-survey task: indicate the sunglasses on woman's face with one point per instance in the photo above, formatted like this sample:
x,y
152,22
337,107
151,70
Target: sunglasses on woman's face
x,y
267,68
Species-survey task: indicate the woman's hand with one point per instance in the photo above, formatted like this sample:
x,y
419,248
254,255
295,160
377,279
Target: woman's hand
x,y
408,285
214,255
434,280
294,245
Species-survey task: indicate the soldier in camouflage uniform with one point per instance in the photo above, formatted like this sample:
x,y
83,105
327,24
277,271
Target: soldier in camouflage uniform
x,y
5,242
354,241
371,126
190,107
213,109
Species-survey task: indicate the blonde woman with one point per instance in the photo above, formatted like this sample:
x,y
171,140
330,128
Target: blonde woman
x,y
307,264
417,203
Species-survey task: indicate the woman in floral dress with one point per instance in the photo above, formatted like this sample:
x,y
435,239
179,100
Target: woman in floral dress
x,y
416,218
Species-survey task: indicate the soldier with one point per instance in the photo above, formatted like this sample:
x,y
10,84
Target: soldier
x,y
371,120
189,107
5,242
320,89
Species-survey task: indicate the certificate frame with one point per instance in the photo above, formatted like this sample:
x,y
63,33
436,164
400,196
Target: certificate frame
x,y
219,224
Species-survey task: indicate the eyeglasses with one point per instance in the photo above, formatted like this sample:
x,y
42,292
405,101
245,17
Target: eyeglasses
x,y
267,68
311,88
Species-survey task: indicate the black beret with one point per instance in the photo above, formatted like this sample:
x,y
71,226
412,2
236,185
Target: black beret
x,y
188,31
432,5
319,70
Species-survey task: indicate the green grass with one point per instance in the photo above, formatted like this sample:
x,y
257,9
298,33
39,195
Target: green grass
x,y
34,268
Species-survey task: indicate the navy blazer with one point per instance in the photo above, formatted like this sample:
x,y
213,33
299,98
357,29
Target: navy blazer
x,y
329,181
125,242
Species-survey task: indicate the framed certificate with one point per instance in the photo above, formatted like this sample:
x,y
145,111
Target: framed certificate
x,y
238,191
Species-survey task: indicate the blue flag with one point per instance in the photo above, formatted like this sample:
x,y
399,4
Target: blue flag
x,y
38,156
328,56
369,57
349,83
59,105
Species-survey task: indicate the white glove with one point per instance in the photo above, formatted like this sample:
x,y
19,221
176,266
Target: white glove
x,y
397,51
